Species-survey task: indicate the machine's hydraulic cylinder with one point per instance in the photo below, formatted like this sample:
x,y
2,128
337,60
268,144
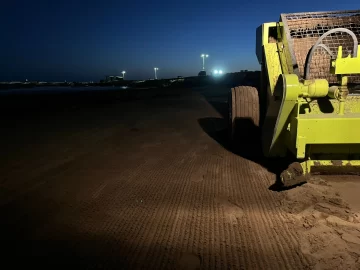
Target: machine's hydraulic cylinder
x,y
316,88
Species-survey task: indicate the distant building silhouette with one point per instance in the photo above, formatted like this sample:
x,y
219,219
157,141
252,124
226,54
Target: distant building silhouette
x,y
202,73
113,78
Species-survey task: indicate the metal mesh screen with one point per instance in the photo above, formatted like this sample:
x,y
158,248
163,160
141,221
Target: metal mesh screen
x,y
304,29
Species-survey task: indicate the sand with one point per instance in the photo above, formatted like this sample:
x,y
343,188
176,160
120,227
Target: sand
x,y
91,181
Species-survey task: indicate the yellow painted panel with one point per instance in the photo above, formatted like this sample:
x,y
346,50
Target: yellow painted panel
x,y
273,64
332,129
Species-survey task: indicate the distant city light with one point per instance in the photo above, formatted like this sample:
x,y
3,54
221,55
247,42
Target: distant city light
x,y
218,72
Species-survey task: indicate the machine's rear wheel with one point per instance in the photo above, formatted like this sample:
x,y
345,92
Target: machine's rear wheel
x,y
244,116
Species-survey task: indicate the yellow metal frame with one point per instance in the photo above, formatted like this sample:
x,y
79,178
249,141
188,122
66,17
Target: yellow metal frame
x,y
292,124
309,164
273,64
348,65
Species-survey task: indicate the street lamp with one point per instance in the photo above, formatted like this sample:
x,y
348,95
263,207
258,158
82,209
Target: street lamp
x,y
155,69
123,73
203,57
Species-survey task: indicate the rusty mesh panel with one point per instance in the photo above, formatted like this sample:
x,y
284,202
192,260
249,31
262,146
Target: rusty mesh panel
x,y
304,29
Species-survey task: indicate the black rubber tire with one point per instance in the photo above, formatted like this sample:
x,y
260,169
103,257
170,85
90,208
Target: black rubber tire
x,y
232,113
244,117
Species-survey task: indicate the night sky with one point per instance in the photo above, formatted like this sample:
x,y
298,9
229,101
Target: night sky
x,y
86,40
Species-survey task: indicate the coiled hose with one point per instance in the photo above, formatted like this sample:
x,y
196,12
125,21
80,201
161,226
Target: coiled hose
x,y
317,44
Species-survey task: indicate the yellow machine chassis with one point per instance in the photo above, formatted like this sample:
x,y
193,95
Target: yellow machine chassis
x,y
337,164
294,123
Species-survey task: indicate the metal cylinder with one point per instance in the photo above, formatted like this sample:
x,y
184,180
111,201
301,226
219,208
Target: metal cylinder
x,y
317,88
333,92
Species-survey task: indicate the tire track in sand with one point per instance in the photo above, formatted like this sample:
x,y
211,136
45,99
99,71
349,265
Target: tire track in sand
x,y
283,241
186,198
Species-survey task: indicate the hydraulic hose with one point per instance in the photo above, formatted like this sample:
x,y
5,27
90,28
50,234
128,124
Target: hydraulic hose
x,y
326,49
317,44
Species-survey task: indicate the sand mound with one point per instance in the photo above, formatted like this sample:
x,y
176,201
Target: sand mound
x,y
327,227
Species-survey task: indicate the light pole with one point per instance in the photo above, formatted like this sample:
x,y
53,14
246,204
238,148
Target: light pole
x,y
123,73
155,69
203,57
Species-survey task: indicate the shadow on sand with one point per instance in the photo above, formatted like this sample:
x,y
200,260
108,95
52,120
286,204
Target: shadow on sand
x,y
248,143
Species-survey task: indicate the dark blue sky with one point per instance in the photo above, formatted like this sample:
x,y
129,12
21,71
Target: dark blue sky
x,y
86,40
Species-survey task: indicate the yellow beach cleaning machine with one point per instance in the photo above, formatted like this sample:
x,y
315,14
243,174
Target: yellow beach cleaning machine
x,y
308,104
